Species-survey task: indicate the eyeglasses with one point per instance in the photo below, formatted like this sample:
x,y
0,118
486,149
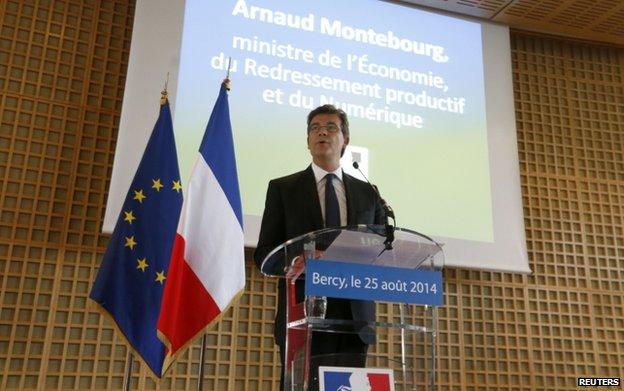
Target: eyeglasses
x,y
331,128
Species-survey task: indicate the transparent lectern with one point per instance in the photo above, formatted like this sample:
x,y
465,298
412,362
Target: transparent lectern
x,y
405,334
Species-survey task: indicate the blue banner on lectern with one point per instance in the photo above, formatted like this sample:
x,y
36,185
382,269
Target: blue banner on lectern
x,y
371,282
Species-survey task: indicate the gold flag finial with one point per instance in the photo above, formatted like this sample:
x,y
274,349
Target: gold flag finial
x,y
227,82
163,93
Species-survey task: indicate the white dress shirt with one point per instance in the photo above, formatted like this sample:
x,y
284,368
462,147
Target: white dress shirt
x,y
319,175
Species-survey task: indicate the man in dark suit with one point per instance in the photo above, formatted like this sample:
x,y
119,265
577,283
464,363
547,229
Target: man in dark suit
x,y
317,197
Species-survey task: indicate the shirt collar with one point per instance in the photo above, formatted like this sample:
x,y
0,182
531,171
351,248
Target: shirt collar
x,y
319,173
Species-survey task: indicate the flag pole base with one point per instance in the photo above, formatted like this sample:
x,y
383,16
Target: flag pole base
x,y
128,374
200,373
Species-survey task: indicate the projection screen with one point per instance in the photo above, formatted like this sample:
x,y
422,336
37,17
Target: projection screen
x,y
429,98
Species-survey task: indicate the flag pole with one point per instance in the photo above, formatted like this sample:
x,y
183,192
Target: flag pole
x,y
200,374
200,380
141,225
130,357
128,374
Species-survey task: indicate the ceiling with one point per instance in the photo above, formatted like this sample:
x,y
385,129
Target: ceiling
x,y
594,20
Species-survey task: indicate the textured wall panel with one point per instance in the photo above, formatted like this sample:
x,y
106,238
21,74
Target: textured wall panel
x,y
597,20
62,72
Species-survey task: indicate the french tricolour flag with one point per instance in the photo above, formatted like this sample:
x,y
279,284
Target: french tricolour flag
x,y
207,268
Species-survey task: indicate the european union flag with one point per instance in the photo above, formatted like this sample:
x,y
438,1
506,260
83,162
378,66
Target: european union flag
x,y
130,282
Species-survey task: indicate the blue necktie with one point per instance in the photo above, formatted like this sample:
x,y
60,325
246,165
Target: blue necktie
x,y
332,209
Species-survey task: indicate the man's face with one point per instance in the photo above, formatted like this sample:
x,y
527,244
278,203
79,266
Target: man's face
x,y
325,138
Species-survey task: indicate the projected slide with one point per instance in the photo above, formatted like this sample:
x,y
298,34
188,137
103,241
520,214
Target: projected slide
x,y
410,81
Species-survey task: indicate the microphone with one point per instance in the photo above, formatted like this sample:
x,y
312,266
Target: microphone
x,y
388,212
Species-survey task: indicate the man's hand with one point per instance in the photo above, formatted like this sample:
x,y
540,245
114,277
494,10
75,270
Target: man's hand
x,y
297,266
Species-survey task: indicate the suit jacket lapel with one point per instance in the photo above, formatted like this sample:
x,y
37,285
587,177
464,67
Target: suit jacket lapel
x,y
350,195
311,199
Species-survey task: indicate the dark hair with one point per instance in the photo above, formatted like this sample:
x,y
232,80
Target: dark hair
x,y
331,109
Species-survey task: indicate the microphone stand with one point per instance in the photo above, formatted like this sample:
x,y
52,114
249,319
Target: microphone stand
x,y
388,213
389,227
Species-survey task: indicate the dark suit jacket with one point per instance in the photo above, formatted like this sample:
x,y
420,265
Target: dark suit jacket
x,y
293,208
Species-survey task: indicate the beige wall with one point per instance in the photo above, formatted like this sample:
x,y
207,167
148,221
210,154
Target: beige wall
x,y
62,73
